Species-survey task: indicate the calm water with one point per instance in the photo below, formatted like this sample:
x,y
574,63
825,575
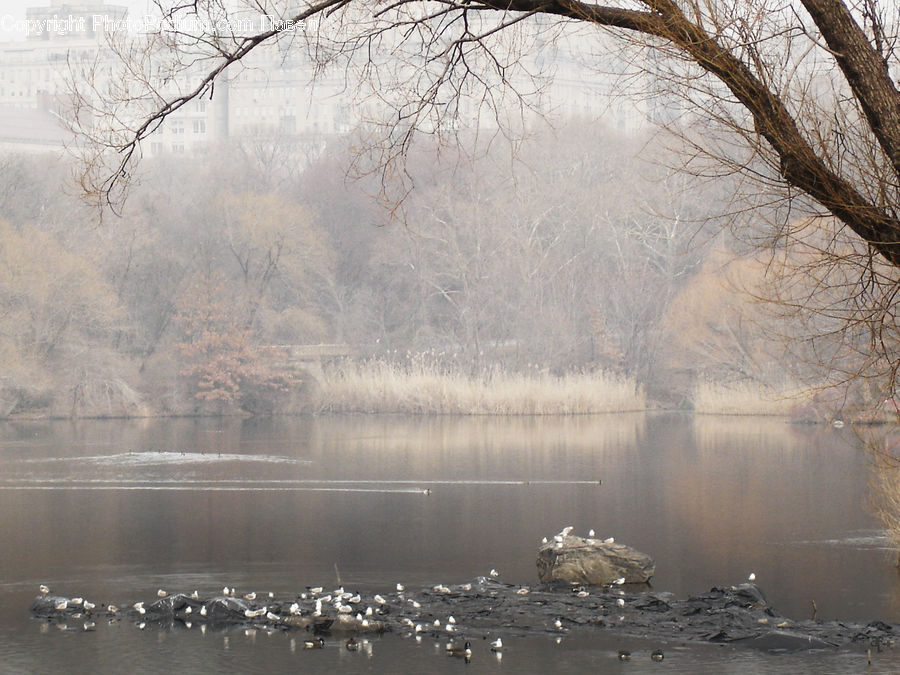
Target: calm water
x,y
113,510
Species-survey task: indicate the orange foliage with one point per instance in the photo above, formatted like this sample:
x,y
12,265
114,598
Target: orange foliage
x,y
220,353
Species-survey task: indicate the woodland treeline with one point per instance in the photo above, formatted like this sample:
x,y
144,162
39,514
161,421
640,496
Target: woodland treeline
x,y
578,250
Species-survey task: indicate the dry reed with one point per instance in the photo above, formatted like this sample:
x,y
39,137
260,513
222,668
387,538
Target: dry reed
x,y
748,398
425,388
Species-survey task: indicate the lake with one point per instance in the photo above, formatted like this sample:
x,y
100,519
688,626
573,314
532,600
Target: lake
x,y
113,510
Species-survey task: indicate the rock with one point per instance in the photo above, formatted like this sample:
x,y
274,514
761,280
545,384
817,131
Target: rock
x,y
591,561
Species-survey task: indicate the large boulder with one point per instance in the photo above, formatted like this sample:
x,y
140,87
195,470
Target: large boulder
x,y
591,561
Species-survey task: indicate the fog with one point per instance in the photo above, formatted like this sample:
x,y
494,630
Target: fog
x,y
255,229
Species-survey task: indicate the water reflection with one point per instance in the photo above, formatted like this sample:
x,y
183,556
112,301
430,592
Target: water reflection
x,y
116,509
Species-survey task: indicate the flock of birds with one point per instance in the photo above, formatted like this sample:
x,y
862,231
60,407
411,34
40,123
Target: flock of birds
x,y
559,539
346,603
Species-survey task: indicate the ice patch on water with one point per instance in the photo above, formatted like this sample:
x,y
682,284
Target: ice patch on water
x,y
866,539
154,458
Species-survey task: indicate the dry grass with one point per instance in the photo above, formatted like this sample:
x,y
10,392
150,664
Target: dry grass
x,y
884,492
423,388
749,398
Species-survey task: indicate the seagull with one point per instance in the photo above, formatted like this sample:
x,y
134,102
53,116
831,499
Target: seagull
x,y
544,540
752,577
591,533
582,594
188,610
619,581
497,645
316,590
494,573
61,605
250,596
566,531
112,609
44,589
161,593
450,628
295,609
451,620
620,602
523,591
379,600
609,540
558,622
355,599
254,613
400,588
225,591
203,611
416,604
195,595
88,606
272,617
271,595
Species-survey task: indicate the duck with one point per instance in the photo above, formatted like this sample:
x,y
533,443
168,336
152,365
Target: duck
x,y
624,655
465,651
352,645
314,643
657,655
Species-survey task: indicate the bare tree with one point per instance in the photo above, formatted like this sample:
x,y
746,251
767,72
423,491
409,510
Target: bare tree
x,y
799,102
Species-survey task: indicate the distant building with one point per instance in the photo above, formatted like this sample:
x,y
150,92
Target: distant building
x,y
273,92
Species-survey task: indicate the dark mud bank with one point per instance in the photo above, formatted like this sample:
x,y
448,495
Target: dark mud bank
x,y
736,615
